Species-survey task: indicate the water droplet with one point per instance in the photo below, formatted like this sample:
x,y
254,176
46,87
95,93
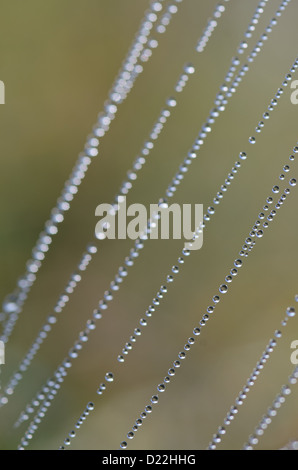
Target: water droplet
x,y
92,249
260,233
171,102
291,312
238,263
52,319
10,304
163,204
109,377
189,69
97,315
223,289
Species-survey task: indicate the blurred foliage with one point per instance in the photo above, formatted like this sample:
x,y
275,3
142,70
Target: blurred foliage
x,y
58,61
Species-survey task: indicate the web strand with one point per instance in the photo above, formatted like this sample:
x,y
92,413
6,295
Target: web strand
x,y
223,289
91,248
255,374
92,326
176,268
140,52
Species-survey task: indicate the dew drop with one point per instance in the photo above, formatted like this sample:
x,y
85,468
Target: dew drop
x,y
163,204
10,304
171,102
52,319
238,263
291,312
223,289
189,69
109,377
260,233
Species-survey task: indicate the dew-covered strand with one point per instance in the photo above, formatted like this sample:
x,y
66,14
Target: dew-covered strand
x,y
198,329
91,248
125,187
225,93
230,416
139,244
73,433
212,24
272,411
109,378
256,17
122,85
122,272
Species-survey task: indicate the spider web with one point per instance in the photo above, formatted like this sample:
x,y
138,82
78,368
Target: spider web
x,y
216,370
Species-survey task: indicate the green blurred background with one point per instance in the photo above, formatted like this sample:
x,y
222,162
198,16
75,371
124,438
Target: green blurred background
x,y
58,62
